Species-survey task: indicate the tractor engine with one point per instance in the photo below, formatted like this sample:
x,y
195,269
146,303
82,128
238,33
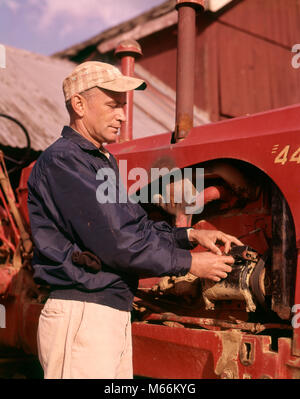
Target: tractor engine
x,y
240,200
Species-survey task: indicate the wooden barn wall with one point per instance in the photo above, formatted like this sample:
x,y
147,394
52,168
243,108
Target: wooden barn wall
x,y
159,55
243,61
254,56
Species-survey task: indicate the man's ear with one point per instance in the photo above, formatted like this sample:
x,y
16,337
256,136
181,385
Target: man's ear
x,y
78,104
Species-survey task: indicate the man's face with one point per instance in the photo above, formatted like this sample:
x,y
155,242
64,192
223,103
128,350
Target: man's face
x,y
104,112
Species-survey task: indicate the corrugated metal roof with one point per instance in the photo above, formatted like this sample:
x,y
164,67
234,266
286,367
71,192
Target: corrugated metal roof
x,y
31,92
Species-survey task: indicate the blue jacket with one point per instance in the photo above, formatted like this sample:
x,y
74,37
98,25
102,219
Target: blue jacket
x,y
65,216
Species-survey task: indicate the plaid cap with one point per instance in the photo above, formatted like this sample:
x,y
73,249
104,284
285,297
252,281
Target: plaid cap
x,y
99,74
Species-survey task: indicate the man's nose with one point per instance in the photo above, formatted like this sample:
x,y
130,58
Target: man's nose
x,y
121,115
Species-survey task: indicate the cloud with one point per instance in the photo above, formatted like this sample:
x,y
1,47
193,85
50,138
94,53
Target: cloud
x,y
48,26
85,13
11,4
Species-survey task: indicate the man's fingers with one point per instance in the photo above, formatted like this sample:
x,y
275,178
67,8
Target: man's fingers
x,y
227,268
211,266
227,259
227,247
219,274
214,248
228,240
234,240
208,238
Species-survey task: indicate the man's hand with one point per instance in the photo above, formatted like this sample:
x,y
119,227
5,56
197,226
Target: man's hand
x,y
208,239
210,266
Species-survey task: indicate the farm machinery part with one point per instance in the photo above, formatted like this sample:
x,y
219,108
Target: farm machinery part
x,y
239,327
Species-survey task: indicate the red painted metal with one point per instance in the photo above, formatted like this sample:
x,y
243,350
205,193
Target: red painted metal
x,y
22,312
197,351
128,51
185,67
256,140
191,353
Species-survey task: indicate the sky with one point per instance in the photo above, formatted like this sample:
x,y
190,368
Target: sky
x,y
48,26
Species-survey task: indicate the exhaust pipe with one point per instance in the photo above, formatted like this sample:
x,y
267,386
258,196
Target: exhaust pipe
x,y
186,47
128,51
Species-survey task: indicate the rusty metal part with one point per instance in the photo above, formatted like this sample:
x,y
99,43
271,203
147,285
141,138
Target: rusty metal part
x,y
129,47
174,207
128,51
215,324
186,286
7,189
284,255
233,177
7,273
181,195
6,243
257,280
237,284
246,353
9,217
198,4
23,302
185,67
227,367
294,366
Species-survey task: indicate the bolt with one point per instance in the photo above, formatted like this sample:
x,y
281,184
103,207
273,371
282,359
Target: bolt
x,y
227,374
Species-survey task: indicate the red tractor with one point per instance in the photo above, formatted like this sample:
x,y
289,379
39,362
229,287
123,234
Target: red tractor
x,y
245,326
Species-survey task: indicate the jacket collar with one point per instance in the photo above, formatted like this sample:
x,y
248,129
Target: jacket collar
x,y
76,138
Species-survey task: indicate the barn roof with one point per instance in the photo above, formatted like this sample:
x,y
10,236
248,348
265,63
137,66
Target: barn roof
x,y
30,88
31,92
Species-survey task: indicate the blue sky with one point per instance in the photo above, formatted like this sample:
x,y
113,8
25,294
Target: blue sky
x,y
47,26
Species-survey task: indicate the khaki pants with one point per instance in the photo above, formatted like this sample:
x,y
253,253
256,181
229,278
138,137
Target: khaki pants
x,y
84,340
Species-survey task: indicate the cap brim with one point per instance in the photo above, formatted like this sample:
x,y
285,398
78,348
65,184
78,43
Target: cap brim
x,y
124,83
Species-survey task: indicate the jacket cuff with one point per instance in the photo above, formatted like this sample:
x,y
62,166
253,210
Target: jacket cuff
x,y
183,262
181,237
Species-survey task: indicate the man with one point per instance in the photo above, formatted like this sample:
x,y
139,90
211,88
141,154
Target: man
x,y
84,329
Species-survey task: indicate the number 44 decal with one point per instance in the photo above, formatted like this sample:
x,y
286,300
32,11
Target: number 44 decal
x,y
283,156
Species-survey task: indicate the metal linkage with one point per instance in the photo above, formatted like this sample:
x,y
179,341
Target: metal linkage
x,y
12,210
215,324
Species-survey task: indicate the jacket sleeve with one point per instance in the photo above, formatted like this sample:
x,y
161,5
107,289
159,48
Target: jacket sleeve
x,y
181,238
118,233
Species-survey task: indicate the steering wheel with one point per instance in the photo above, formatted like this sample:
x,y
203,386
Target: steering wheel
x,y
18,163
